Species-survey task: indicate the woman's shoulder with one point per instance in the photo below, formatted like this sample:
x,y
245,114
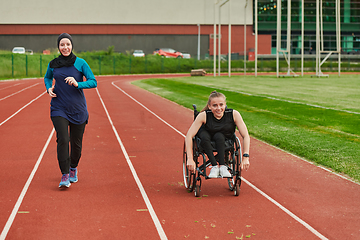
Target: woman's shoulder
x,y
203,113
80,63
236,114
79,60
202,116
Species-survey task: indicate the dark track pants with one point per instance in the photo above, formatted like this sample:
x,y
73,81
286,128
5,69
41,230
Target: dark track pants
x,y
62,127
219,140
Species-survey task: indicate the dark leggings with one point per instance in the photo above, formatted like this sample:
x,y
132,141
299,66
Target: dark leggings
x,y
219,139
63,138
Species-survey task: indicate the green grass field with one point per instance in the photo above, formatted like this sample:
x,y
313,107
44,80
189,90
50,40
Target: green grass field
x,y
314,118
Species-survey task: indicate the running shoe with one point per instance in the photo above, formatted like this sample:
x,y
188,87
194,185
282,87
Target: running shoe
x,y
65,182
224,172
214,172
73,175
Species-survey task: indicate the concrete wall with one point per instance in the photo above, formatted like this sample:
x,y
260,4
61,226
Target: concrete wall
x,y
126,24
120,12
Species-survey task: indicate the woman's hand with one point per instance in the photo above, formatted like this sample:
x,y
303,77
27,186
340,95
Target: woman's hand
x,y
245,164
51,92
191,165
71,81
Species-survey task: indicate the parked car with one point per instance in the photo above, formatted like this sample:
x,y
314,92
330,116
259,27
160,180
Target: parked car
x,y
168,52
20,50
29,51
138,53
186,55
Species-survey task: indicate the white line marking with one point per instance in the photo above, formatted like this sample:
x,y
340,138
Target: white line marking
x,y
18,92
137,180
289,101
22,108
303,159
23,192
311,229
9,86
251,185
339,175
149,110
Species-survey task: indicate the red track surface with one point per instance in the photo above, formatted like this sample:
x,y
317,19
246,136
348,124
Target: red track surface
x,y
295,199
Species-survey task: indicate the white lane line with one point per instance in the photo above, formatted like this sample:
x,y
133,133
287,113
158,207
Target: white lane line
x,y
137,180
9,86
311,229
149,110
22,108
321,167
289,101
23,192
18,92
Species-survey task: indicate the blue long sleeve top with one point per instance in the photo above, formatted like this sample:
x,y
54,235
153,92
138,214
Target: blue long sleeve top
x,y
70,102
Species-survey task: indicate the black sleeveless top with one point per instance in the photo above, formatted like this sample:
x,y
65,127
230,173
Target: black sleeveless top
x,y
225,125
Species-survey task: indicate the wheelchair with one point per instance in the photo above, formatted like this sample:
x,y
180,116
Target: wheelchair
x,y
233,159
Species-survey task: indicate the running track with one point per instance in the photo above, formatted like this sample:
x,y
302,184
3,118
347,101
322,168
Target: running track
x,y
130,177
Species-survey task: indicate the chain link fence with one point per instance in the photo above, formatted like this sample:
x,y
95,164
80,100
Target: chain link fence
x,y
25,66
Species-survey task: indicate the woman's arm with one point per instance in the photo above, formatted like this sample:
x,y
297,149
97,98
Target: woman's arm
x,y
246,138
86,70
194,128
48,78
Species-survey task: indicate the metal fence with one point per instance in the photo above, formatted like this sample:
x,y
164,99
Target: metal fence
x,y
22,66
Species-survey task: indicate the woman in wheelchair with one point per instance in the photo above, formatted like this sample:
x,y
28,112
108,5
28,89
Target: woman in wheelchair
x,y
216,123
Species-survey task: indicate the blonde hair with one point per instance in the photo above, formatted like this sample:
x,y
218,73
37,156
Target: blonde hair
x,y
213,94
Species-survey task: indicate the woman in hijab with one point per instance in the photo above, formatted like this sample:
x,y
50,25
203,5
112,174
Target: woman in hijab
x,y
68,110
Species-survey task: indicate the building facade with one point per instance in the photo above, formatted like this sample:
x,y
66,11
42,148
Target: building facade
x,y
126,25
349,18
147,25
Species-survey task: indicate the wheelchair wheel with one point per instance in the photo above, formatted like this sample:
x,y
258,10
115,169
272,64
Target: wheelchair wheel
x,y
189,178
237,190
197,191
234,161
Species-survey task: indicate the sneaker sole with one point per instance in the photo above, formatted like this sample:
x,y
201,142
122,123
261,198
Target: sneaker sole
x,y
74,181
227,177
218,176
64,185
